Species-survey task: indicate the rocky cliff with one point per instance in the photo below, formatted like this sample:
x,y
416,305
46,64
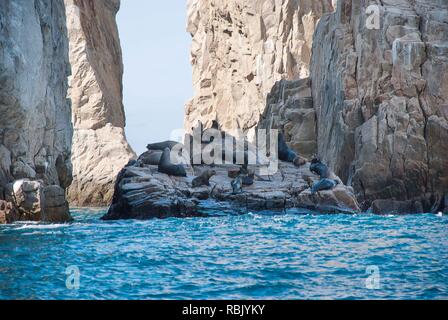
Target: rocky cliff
x,y
240,50
100,149
35,126
381,98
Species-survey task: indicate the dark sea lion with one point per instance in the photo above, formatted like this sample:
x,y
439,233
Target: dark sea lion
x,y
151,158
203,179
324,184
161,146
319,168
237,185
284,152
248,180
165,166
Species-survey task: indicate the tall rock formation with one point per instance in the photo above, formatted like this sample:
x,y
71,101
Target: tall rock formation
x,y
35,126
100,149
240,50
381,98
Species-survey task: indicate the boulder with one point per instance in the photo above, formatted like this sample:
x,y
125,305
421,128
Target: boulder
x,y
141,192
27,196
28,200
388,206
8,213
56,209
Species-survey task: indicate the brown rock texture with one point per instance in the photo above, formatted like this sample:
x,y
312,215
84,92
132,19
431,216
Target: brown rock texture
x,y
240,50
35,126
100,148
381,99
289,108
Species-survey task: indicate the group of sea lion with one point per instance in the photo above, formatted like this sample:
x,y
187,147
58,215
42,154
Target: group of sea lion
x,y
159,154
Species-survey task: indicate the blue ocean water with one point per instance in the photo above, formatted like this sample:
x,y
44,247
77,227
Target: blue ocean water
x,y
296,255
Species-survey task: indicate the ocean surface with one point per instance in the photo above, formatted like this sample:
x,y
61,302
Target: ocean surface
x,y
294,255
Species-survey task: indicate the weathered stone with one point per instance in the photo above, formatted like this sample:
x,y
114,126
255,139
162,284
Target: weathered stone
x,y
8,213
100,148
396,207
143,193
240,50
27,196
56,206
35,116
290,109
379,97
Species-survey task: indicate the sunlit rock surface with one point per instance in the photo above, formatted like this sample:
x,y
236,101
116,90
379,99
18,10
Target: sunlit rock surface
x,y
240,49
100,148
381,99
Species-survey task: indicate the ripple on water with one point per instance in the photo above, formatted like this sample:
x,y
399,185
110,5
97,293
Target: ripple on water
x,y
297,255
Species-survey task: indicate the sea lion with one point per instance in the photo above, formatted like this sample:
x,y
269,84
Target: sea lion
x,y
165,166
237,185
324,184
248,180
320,168
151,158
203,179
284,152
161,146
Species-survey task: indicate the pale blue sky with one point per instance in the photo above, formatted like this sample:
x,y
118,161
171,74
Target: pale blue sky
x,y
157,77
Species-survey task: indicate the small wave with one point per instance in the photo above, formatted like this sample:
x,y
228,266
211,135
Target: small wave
x,y
31,226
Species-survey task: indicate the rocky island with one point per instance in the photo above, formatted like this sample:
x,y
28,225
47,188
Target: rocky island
x,y
361,85
142,192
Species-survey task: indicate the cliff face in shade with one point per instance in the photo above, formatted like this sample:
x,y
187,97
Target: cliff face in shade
x,y
381,98
35,116
100,149
289,108
240,50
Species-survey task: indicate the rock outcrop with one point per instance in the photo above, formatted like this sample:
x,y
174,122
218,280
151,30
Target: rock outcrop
x,y
240,50
290,109
100,149
381,99
141,192
35,126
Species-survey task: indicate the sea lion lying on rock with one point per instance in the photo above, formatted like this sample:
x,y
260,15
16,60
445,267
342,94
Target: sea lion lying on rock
x,y
319,168
248,180
151,158
322,170
165,165
324,184
284,152
203,179
161,146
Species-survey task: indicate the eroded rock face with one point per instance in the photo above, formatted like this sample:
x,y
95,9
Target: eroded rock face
x,y
240,50
381,99
290,109
100,148
35,115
